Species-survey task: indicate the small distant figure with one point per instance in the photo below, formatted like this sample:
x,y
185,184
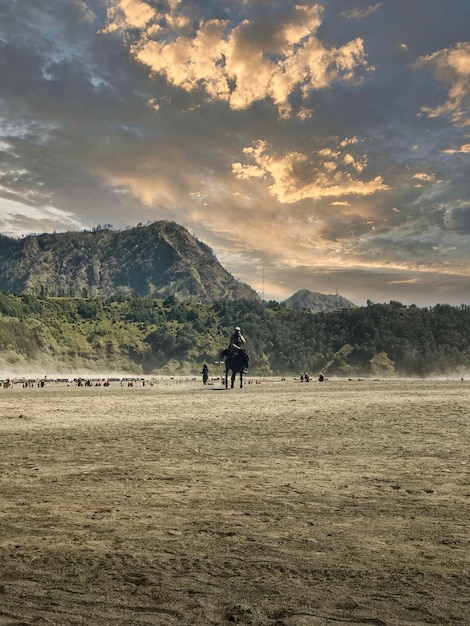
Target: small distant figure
x,y
321,378
205,374
307,377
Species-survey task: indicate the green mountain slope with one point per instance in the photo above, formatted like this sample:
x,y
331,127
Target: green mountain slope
x,y
153,261
154,336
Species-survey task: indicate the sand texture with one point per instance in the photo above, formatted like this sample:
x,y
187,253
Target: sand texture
x,y
282,503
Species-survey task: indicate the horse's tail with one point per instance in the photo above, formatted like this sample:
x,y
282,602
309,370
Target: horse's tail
x,y
223,354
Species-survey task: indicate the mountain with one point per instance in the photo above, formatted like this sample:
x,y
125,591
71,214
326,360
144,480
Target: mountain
x,y
155,261
317,302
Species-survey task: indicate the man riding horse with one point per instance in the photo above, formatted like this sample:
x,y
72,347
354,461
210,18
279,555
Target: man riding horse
x,y
236,357
237,341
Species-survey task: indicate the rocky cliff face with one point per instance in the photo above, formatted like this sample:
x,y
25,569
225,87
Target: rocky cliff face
x,y
156,261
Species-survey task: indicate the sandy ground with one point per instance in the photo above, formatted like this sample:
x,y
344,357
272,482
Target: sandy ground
x,y
284,503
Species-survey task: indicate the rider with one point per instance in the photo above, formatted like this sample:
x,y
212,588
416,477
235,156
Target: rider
x,y
237,341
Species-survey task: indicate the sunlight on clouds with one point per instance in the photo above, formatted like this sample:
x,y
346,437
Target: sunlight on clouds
x,y
291,245
309,20
404,281
125,14
153,103
18,218
150,189
249,69
236,64
267,230
359,14
464,149
357,164
294,241
295,176
123,111
305,114
244,172
188,62
452,68
424,177
329,166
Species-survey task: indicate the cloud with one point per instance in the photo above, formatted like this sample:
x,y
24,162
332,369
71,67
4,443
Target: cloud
x,y
358,13
463,149
18,219
125,14
424,176
451,67
240,63
280,133
295,176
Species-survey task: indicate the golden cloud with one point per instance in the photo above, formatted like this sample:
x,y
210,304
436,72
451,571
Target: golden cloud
x,y
295,176
234,64
124,14
463,149
451,66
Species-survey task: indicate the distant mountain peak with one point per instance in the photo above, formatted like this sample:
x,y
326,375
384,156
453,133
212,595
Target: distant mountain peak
x,y
304,299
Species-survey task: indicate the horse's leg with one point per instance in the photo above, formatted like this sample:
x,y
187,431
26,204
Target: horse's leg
x,y
226,378
241,379
233,379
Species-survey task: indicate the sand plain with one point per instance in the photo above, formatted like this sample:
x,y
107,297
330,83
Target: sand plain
x,y
282,503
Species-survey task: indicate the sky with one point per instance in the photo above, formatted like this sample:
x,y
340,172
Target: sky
x,y
321,146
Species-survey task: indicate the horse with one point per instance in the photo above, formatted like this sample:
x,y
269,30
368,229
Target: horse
x,y
237,363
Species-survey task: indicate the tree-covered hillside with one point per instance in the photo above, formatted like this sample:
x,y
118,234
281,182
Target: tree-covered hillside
x,y
146,336
152,261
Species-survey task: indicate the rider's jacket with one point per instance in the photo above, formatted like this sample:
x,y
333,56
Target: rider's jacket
x,y
237,342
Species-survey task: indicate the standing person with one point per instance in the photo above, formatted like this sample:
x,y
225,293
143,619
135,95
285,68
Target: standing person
x,y
205,373
237,341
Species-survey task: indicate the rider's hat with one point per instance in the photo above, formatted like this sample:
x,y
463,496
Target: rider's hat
x,y
237,328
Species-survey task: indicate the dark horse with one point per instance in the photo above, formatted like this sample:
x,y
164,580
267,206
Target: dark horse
x,y
237,363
